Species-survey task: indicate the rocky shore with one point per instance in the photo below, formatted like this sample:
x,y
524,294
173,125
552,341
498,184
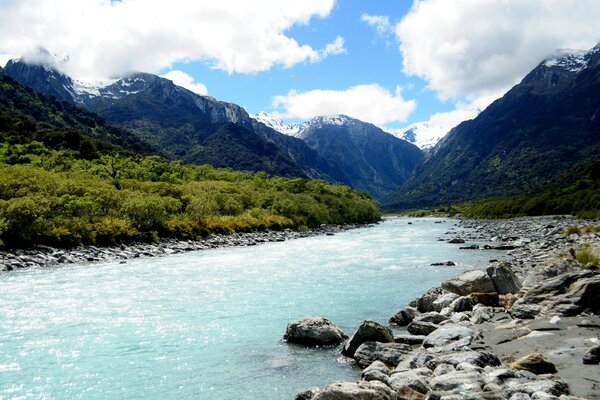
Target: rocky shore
x,y
526,326
44,256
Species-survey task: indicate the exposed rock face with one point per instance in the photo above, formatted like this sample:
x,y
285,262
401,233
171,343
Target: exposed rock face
x,y
535,277
314,331
373,390
565,295
469,282
504,278
368,331
535,363
388,353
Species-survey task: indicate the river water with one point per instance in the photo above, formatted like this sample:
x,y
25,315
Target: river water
x,y
208,324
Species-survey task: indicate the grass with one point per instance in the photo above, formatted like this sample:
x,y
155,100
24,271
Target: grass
x,y
570,230
588,254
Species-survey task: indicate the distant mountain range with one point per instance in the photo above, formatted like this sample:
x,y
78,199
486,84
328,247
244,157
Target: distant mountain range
x,y
542,128
199,129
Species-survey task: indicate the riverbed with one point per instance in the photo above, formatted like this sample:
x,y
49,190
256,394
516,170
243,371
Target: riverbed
x,y
208,324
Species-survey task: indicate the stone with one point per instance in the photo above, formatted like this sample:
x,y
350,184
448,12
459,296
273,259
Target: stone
x,y
363,390
307,394
543,396
490,299
555,388
504,278
433,316
456,241
388,353
592,356
421,328
368,331
535,363
409,339
425,302
314,331
481,359
567,294
404,316
482,314
462,303
469,282
537,275
460,381
415,379
377,371
406,393
443,369
520,396
415,360
444,300
447,334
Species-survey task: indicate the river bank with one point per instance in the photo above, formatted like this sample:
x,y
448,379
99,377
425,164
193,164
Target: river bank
x,y
45,256
523,327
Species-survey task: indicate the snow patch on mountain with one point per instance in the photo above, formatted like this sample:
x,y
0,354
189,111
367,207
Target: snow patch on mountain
x,y
571,60
422,134
273,122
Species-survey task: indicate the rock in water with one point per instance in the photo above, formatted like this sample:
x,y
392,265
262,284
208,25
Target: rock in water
x,y
314,331
469,282
368,331
504,278
592,356
425,302
404,316
535,363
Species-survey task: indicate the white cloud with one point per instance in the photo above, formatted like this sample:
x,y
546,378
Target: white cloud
x,y
182,79
381,23
334,48
470,48
106,38
370,103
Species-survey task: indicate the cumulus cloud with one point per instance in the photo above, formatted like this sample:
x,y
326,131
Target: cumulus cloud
x,y
105,38
370,103
381,23
182,79
472,48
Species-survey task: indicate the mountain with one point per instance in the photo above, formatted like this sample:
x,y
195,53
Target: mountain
x,y
179,123
544,126
422,134
373,160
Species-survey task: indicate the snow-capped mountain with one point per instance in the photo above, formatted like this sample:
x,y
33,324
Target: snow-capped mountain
x,y
273,122
299,130
422,134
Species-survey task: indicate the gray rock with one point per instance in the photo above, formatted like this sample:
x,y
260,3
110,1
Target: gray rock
x,y
543,396
314,331
417,359
456,241
482,314
421,328
425,302
368,331
415,379
409,339
535,363
536,276
372,390
388,353
555,388
377,371
480,359
307,394
433,316
567,294
504,278
447,334
469,282
459,381
444,300
443,369
592,356
404,316
520,396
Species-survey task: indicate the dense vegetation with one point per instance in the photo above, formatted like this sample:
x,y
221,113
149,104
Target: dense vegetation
x,y
61,186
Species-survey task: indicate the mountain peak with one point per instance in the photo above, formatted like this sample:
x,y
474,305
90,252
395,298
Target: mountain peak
x,y
274,122
571,59
336,119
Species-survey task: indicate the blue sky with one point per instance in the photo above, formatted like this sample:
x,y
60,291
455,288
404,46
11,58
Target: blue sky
x,y
389,62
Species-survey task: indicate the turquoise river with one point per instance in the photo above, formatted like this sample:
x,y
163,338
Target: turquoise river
x,y
208,324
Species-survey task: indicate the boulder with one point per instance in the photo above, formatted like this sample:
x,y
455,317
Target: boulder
x,y
363,390
469,282
444,300
433,316
421,327
482,314
462,303
504,278
481,359
447,334
535,363
592,356
368,331
490,299
377,371
567,294
416,379
418,359
314,331
404,316
406,393
425,302
555,388
409,339
388,353
456,241
459,381
537,275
